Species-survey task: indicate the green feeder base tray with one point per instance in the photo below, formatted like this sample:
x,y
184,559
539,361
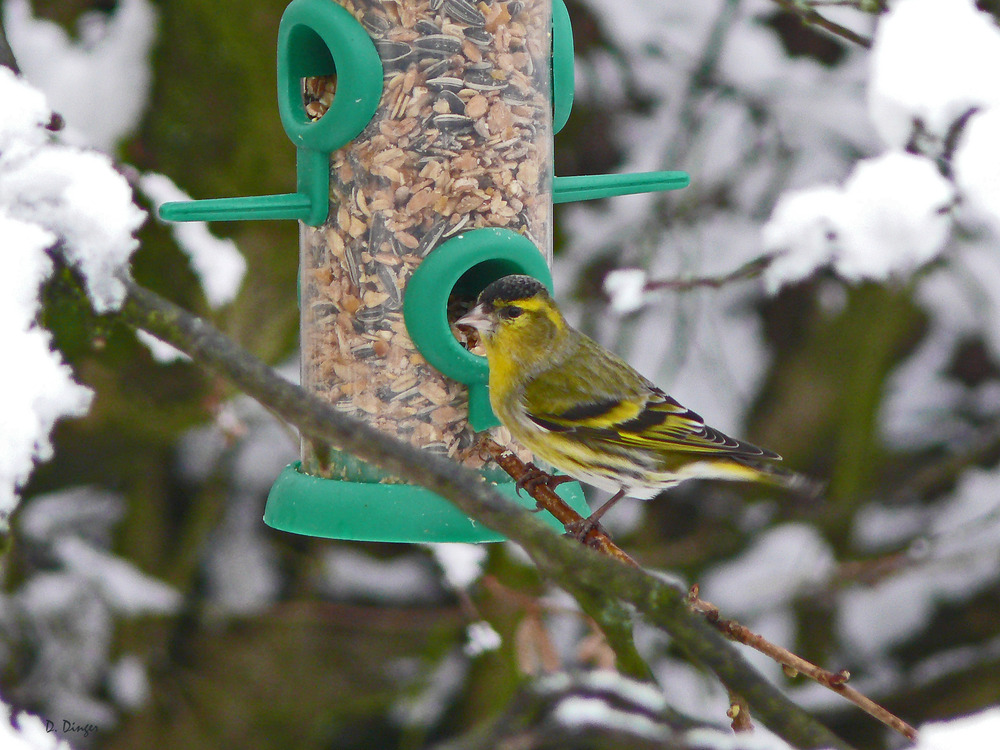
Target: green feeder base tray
x,y
375,512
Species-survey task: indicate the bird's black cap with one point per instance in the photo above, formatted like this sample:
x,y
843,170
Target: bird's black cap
x,y
511,289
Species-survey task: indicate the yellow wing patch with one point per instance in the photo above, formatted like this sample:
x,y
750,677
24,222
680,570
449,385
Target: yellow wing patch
x,y
658,425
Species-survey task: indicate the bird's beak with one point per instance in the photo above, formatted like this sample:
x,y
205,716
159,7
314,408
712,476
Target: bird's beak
x,y
477,318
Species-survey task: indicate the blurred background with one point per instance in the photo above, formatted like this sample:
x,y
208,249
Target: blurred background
x,y
143,594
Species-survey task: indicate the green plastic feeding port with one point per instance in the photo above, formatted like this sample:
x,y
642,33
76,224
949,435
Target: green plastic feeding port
x,y
563,75
315,38
465,264
376,511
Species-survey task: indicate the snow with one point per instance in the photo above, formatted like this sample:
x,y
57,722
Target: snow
x,y
878,527
84,80
923,406
481,639
119,583
72,633
75,195
801,231
348,573
99,84
24,731
932,61
25,267
162,352
690,690
218,262
23,117
975,732
626,289
40,389
759,739
888,220
780,565
441,686
462,564
128,683
85,512
956,557
66,608
79,197
977,165
51,196
576,712
641,694
241,572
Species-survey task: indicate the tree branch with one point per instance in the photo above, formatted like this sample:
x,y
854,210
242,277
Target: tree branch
x,y
811,17
563,561
749,270
794,665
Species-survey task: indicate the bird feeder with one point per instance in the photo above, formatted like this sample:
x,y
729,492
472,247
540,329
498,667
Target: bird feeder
x,y
423,134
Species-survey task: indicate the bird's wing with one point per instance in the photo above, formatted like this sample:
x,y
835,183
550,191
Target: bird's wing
x,y
630,414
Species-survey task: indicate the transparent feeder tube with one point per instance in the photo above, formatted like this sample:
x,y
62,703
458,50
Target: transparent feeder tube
x,y
462,139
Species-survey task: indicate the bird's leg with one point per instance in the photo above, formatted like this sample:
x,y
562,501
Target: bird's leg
x,y
580,529
534,477
597,514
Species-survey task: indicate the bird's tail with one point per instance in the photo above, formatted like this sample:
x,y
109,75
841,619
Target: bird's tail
x,y
798,484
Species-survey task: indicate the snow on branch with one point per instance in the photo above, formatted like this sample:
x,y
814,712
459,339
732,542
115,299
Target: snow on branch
x,y
933,97
888,219
51,196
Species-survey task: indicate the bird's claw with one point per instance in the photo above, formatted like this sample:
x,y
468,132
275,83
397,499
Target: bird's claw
x,y
582,529
534,477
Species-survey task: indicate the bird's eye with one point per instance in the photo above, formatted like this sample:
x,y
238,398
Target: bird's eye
x,y
511,311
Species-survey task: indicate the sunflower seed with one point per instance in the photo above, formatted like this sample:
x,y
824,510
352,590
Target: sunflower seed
x,y
455,105
464,12
433,70
452,123
393,53
352,265
375,23
458,226
439,45
391,287
481,79
479,36
426,27
371,315
431,238
442,83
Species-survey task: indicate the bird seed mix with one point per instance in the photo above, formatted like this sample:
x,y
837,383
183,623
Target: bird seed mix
x,y
461,140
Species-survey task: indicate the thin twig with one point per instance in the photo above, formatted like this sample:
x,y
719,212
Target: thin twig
x,y
550,501
811,17
749,270
795,665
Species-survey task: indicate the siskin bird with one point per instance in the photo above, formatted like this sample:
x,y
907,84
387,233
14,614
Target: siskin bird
x,y
585,411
